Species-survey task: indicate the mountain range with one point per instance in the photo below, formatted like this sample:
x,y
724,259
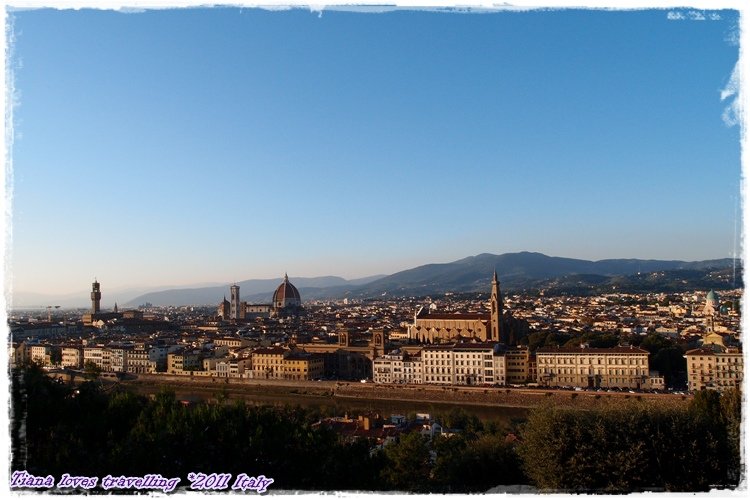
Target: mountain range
x,y
520,271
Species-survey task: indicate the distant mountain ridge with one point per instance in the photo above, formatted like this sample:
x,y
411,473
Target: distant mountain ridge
x,y
254,291
516,271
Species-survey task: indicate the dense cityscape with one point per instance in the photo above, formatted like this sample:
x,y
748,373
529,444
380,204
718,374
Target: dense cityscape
x,y
661,351
513,239
664,338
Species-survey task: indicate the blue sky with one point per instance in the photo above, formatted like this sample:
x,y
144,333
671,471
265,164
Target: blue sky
x,y
214,145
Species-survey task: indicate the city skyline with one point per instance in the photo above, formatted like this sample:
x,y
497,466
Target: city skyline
x,y
216,145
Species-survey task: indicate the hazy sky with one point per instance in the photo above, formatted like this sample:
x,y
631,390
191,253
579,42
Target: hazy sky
x,y
216,145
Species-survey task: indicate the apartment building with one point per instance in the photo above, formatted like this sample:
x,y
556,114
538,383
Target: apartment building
x,y
268,363
464,364
300,365
72,357
438,364
119,357
397,367
474,363
41,354
99,356
139,361
226,367
714,367
183,361
517,365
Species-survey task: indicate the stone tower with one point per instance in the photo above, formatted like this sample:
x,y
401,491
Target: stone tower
x,y
96,297
496,314
234,301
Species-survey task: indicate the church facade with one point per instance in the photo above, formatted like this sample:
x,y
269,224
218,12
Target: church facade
x,y
439,328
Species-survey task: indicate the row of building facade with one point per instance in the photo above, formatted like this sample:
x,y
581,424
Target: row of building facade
x,y
712,366
495,364
258,363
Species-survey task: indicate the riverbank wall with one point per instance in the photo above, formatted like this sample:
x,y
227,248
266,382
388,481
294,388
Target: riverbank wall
x,y
457,395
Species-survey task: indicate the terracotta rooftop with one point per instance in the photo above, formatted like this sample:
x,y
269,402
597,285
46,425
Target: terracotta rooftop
x,y
591,350
457,316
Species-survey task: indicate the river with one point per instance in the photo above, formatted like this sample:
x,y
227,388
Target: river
x,y
336,406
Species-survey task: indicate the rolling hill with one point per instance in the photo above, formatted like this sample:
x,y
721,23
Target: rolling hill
x,y
520,271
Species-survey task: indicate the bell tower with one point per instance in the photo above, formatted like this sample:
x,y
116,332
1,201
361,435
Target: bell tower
x,y
496,311
96,297
234,301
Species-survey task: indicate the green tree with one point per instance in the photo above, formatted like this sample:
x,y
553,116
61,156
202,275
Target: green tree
x,y
408,465
536,340
472,465
624,449
603,340
91,371
55,356
671,363
654,342
556,339
731,412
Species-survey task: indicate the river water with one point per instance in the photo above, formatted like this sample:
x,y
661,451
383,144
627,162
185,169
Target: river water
x,y
338,406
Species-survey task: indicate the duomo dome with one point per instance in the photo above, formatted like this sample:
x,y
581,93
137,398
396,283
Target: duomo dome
x,y
286,295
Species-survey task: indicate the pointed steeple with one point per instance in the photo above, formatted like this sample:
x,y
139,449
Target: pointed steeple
x,y
115,309
496,311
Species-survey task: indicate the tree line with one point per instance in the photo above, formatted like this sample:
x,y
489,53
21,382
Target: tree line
x,y
57,428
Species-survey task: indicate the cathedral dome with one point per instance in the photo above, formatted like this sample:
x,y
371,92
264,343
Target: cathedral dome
x,y
286,295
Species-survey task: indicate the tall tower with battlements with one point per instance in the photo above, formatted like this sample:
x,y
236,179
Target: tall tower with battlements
x,y
96,297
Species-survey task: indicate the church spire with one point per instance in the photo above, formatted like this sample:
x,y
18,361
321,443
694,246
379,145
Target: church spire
x,y
496,310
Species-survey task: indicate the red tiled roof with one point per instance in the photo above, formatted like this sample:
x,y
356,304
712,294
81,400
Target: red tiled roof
x,y
269,350
464,316
286,291
591,350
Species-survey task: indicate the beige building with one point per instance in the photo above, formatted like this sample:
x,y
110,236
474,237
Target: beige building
x,y
397,367
139,361
99,356
118,357
714,366
300,365
226,367
72,357
462,364
41,354
182,361
268,363
232,342
501,367
283,364
620,367
17,353
517,365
